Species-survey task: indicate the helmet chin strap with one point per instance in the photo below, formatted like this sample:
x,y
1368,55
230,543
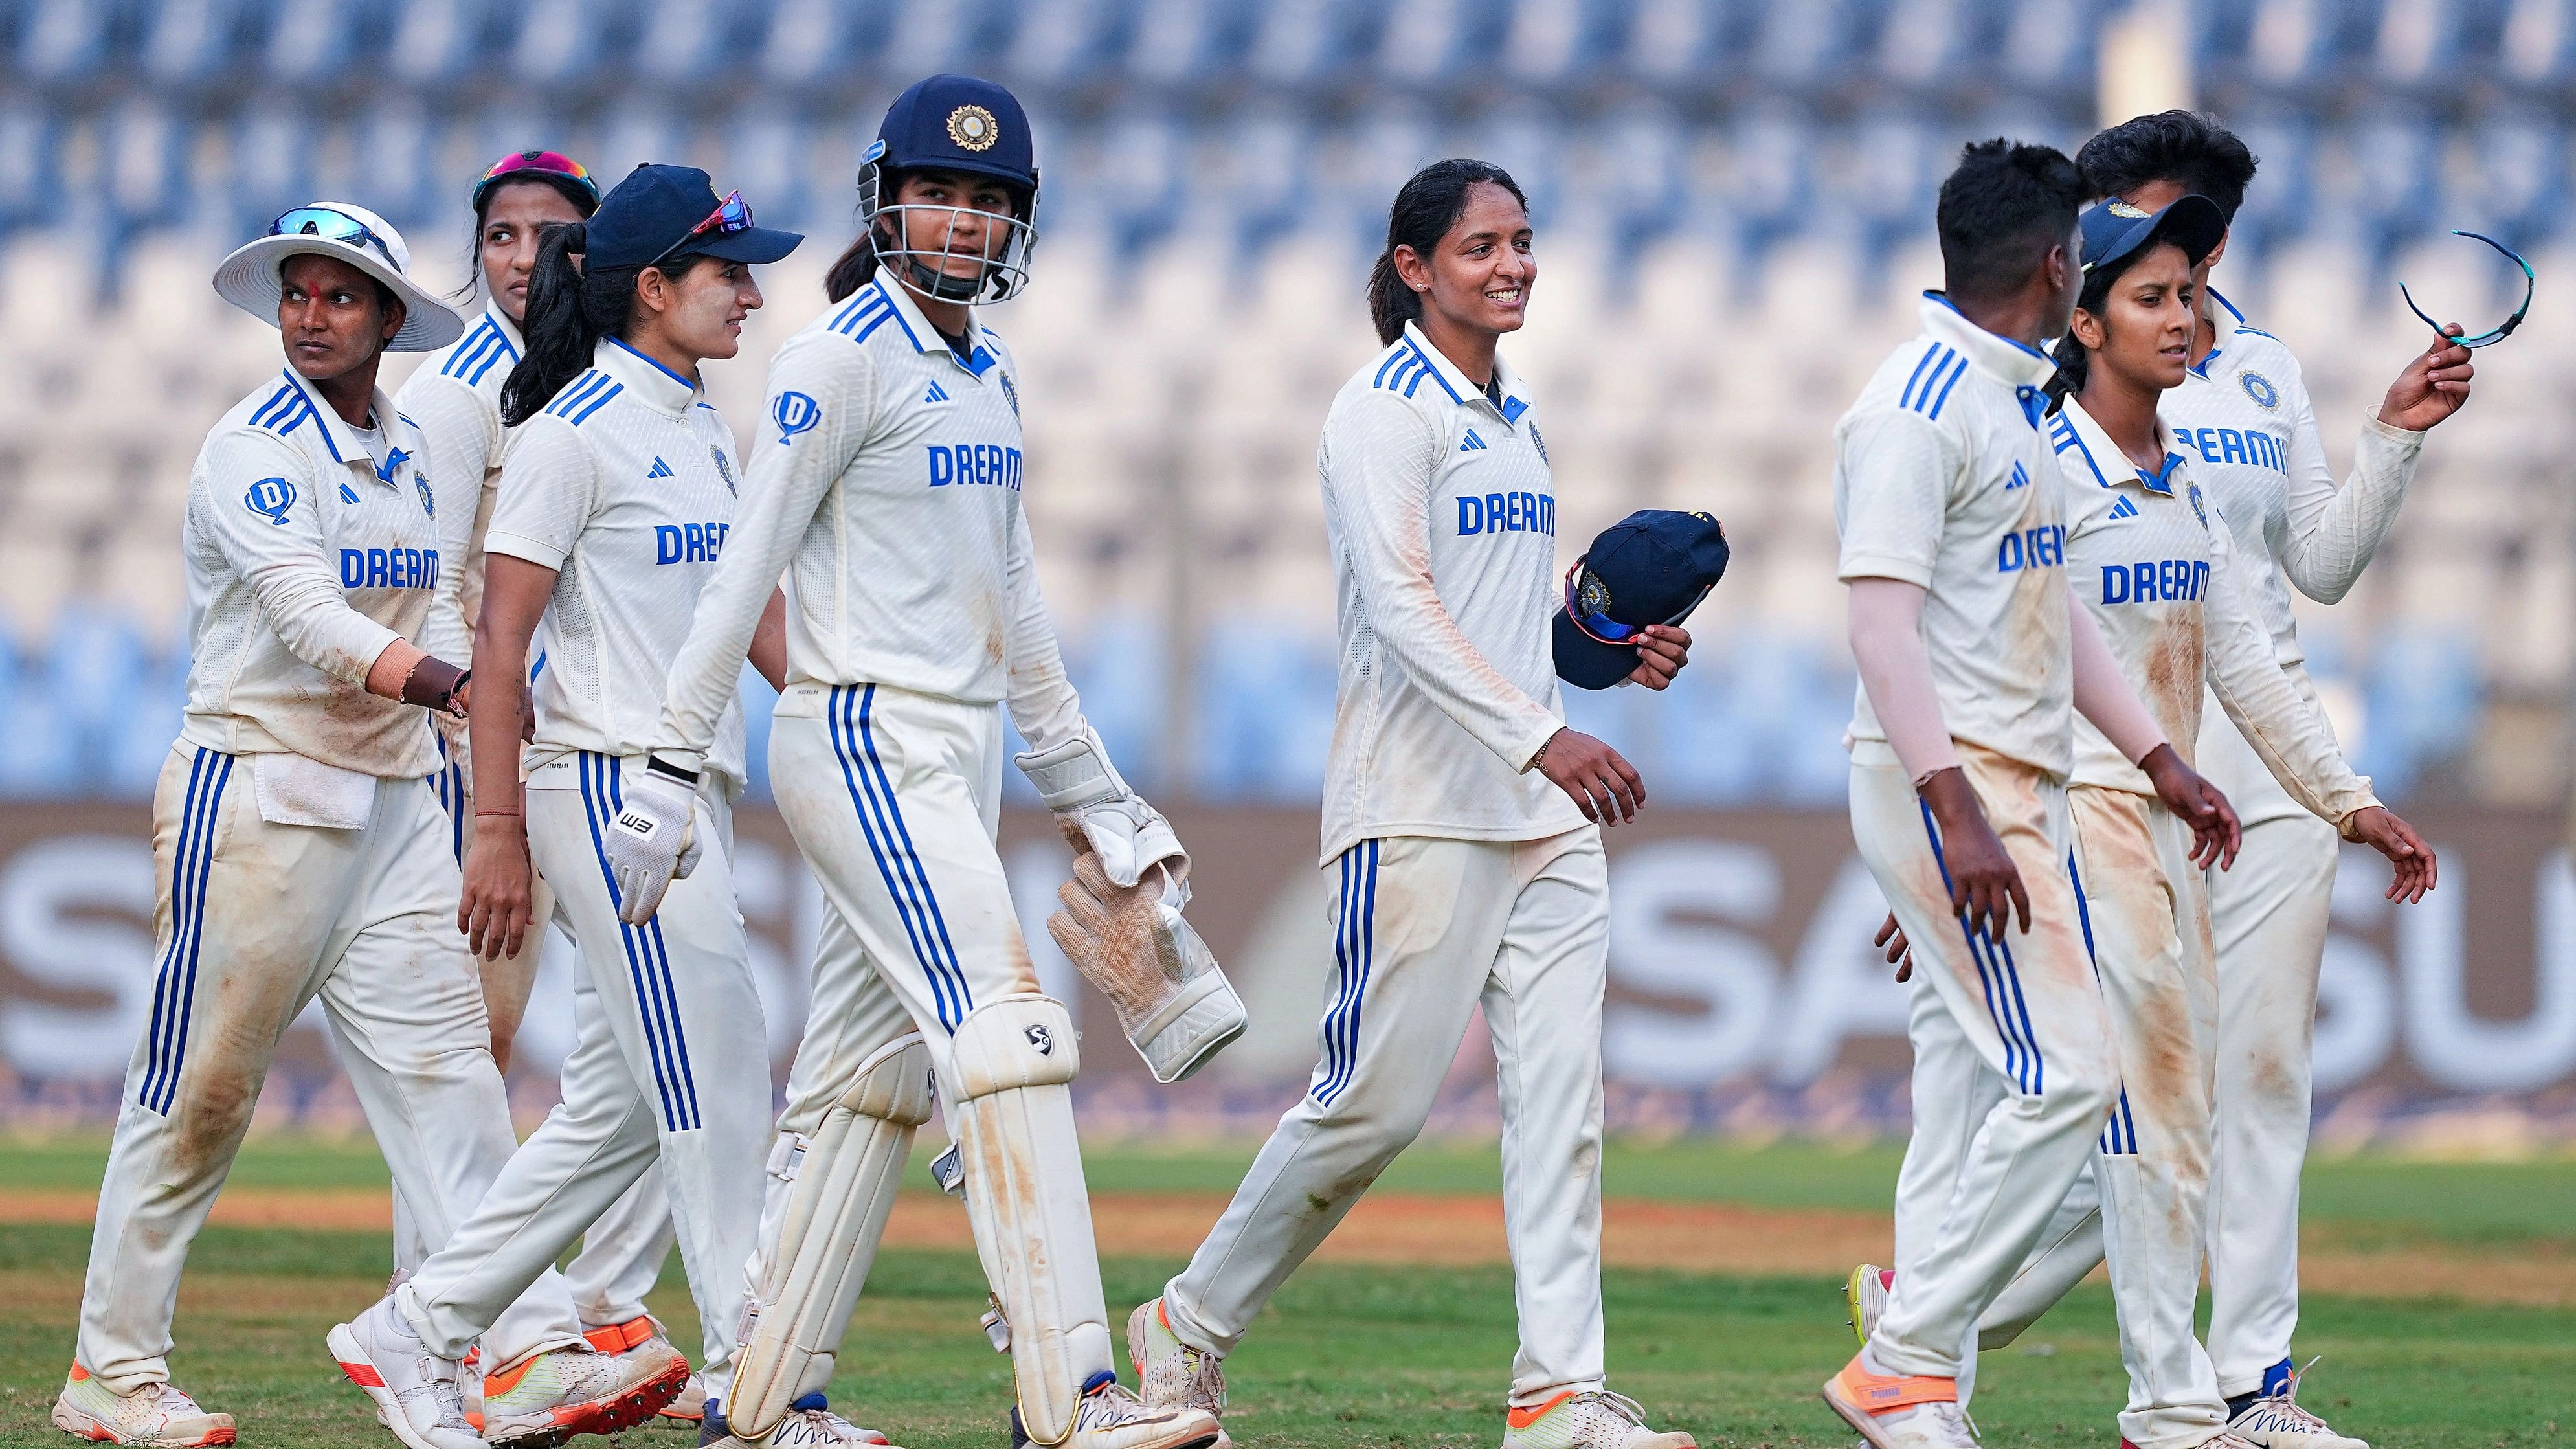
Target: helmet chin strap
x,y
930,281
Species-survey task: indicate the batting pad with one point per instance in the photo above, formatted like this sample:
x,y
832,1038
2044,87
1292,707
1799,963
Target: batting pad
x,y
837,1187
1012,1113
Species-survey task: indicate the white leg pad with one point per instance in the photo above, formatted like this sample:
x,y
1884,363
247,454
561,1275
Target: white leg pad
x,y
829,1195
1012,1112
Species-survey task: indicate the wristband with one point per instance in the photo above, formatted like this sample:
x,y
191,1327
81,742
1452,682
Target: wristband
x,y
656,765
513,814
432,685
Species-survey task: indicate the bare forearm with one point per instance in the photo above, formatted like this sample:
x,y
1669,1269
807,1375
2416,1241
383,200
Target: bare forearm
x,y
769,642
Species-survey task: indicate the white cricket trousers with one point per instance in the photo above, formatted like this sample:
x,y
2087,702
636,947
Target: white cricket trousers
x,y
894,799
671,1065
252,921
2003,1127
622,1255
1426,930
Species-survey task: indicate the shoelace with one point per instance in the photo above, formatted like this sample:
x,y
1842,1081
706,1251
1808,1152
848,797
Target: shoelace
x,y
1207,1372
172,1400
1618,1403
2282,1412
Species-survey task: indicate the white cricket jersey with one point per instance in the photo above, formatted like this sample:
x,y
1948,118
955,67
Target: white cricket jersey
x,y
888,472
455,400
625,486
311,545
1933,467
2244,415
1440,515
2157,569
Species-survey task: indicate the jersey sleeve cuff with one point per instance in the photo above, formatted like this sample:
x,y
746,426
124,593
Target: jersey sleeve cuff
x,y
519,545
1885,566
2373,424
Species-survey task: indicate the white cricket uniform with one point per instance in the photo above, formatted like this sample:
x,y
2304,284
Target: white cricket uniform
x,y
2157,569
454,398
1942,479
625,486
1464,876
2244,412
300,851
886,483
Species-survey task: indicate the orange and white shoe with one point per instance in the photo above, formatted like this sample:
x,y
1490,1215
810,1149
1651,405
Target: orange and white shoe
x,y
644,1334
155,1414
547,1398
1896,1411
1169,1373
687,1411
1592,1419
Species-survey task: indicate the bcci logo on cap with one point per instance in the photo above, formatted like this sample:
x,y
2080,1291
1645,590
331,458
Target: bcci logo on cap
x,y
1591,595
2122,208
973,128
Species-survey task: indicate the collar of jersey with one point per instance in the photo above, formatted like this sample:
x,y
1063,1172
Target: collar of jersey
x,y
339,439
2014,364
924,337
1460,390
2225,322
657,386
509,329
2087,437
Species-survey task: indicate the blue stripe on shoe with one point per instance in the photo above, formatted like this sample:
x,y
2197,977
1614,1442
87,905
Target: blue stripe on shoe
x,y
647,966
174,986
907,882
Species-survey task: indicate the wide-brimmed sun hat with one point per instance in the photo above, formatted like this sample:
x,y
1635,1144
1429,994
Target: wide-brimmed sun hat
x,y
250,278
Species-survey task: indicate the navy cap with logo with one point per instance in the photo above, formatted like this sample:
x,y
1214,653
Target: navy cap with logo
x,y
958,123
1651,567
2113,229
661,212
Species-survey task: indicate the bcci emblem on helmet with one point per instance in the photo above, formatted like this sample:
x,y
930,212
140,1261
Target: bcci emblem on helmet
x,y
973,128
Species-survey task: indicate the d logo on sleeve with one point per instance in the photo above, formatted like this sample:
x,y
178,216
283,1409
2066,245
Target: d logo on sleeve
x,y
270,498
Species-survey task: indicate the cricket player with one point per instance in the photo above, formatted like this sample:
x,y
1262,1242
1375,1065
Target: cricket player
x,y
888,475
1973,660
300,848
455,400
2242,414
1463,818
2157,572
613,509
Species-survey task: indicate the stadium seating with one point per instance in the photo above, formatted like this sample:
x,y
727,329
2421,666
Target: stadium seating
x,y
1734,199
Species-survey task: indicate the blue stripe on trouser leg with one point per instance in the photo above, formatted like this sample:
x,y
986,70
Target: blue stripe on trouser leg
x,y
2122,1135
595,810
1353,951
648,939
890,843
1997,978
175,987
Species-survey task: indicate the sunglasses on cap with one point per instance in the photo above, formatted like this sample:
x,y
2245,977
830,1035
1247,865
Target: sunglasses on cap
x,y
540,163
1586,598
331,225
2492,334
731,215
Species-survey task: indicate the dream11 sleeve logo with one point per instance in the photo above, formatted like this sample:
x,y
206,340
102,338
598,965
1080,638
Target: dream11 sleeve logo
x,y
270,498
794,412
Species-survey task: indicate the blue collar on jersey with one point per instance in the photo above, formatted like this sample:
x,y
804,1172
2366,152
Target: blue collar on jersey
x,y
2075,428
649,380
924,337
1460,388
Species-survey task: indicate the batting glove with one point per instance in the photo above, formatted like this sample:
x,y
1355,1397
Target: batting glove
x,y
1077,782
653,840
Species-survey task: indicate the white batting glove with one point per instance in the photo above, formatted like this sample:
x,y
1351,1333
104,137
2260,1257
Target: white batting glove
x,y
1077,782
653,840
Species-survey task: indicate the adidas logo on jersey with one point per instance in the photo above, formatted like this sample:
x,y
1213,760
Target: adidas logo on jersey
x,y
660,469
2020,476
2124,509
936,394
1472,443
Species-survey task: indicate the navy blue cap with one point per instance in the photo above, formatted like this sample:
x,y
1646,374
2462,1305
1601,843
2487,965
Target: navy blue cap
x,y
958,123
2114,228
650,215
1651,567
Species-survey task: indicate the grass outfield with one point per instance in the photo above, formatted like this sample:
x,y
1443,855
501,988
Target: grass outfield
x,y
1365,1354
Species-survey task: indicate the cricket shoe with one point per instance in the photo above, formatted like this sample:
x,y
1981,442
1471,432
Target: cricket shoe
x,y
1169,1373
414,1390
1109,1417
688,1410
2224,1440
1894,1411
810,1424
1865,1294
549,1397
644,1332
155,1414
1593,1419
2276,1421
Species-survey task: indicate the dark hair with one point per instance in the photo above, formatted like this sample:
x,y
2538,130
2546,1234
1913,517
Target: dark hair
x,y
1425,208
2074,361
2184,147
2000,212
569,310
582,201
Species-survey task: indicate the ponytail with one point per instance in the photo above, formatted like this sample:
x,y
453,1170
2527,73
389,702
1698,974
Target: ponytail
x,y
1425,209
569,310
852,269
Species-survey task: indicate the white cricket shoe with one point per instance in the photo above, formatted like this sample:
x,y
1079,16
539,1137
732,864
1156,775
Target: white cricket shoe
x,y
1894,1411
1169,1373
810,1424
415,1391
1110,1417
1865,1293
689,1409
2278,1422
1593,1419
155,1414
549,1397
